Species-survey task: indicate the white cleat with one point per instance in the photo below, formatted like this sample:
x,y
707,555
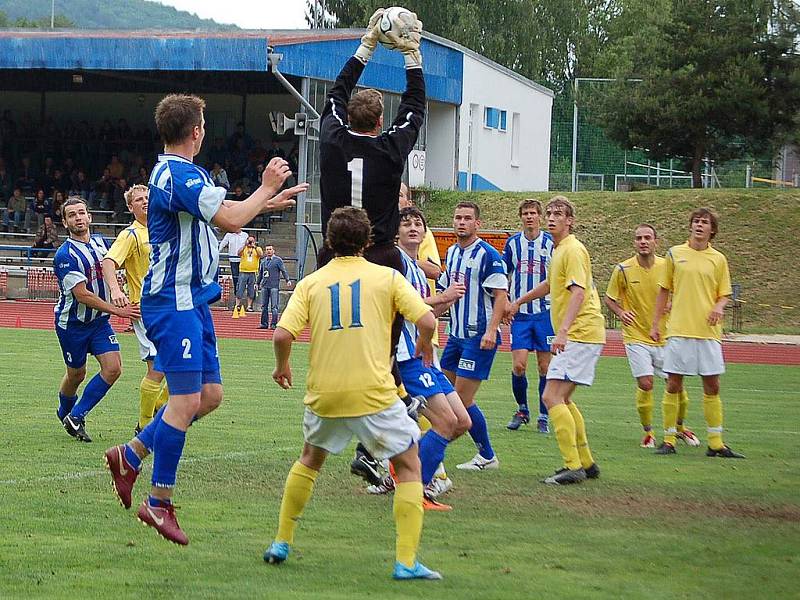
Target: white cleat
x,y
478,463
439,486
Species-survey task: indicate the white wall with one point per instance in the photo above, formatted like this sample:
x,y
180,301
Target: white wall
x,y
440,151
492,149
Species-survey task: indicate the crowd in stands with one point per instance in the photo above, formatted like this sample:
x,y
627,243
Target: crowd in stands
x,y
41,164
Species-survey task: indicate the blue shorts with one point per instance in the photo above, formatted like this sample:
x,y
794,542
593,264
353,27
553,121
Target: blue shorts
x,y
185,343
530,332
95,338
420,380
465,358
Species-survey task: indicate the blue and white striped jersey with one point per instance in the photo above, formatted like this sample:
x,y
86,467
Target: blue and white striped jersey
x,y
482,270
527,262
74,262
184,253
410,333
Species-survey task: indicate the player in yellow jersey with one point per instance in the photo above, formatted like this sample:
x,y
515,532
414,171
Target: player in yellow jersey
x,y
131,252
700,282
631,295
580,336
349,305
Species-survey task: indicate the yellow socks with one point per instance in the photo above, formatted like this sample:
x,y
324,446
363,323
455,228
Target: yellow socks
x,y
149,391
163,397
407,520
644,404
712,409
401,391
564,424
424,424
670,409
683,407
580,436
296,494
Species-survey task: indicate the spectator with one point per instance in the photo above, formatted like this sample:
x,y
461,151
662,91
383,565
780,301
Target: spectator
x,y
58,202
274,151
28,177
249,256
219,176
6,183
238,194
218,153
58,182
142,177
115,167
46,237
269,280
81,186
240,136
17,206
234,241
41,207
119,206
102,190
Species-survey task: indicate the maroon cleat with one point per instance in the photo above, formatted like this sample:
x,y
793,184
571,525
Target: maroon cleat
x,y
123,475
163,520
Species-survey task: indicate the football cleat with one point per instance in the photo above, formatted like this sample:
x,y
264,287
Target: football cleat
x,y
566,476
429,503
276,553
418,571
123,475
439,486
592,472
519,419
163,520
75,427
478,463
724,452
541,425
688,437
385,487
648,441
665,448
366,467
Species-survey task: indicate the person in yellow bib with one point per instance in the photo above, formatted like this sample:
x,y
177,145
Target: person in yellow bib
x,y
697,275
249,260
131,252
631,295
580,336
349,306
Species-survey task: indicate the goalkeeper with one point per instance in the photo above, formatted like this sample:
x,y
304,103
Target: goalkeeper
x,y
362,166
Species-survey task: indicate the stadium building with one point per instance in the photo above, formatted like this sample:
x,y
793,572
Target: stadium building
x,y
487,128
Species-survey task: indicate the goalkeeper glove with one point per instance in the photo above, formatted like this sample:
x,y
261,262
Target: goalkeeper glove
x,y
370,39
404,36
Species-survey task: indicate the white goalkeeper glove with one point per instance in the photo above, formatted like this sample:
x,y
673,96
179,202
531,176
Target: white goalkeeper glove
x,y
405,36
369,41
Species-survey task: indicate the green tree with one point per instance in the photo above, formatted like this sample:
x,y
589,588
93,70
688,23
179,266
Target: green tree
x,y
718,80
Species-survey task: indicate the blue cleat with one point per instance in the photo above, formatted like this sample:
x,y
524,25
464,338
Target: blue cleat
x,y
418,571
276,553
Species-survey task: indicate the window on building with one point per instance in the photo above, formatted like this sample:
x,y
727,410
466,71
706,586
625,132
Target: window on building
x,y
515,132
502,120
494,118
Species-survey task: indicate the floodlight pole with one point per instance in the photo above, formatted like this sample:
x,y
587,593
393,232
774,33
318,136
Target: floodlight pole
x,y
53,14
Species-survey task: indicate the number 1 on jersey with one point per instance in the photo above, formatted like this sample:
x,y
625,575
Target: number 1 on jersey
x,y
356,168
355,306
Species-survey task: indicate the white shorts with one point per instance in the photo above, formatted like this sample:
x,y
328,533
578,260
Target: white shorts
x,y
645,360
576,363
691,356
147,351
385,434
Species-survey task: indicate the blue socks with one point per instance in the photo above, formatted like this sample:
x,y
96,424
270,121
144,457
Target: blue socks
x,y
542,384
65,404
92,394
167,450
519,385
148,435
156,502
133,458
431,452
480,433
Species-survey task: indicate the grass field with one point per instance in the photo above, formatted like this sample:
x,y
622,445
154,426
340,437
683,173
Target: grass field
x,y
757,234
681,527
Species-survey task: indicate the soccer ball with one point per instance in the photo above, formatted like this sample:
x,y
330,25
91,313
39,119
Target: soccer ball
x,y
396,23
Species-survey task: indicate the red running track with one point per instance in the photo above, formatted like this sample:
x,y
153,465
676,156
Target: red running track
x,y
39,315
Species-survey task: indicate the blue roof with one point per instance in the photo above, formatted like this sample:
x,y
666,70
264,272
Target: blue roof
x,y
317,54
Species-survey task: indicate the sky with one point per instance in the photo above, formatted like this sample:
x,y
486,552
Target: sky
x,y
247,14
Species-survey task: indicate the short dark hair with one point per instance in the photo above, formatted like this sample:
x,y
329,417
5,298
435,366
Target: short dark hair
x,y
365,109
349,231
706,212
475,208
640,225
530,203
71,201
411,212
176,116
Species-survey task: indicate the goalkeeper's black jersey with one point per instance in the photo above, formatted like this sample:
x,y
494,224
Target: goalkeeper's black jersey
x,y
364,170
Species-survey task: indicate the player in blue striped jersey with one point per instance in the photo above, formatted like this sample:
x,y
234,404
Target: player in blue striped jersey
x,y
474,322
442,406
527,256
81,319
180,284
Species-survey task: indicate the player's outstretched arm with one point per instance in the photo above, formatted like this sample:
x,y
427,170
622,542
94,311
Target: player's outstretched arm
x,y
118,297
87,298
540,291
